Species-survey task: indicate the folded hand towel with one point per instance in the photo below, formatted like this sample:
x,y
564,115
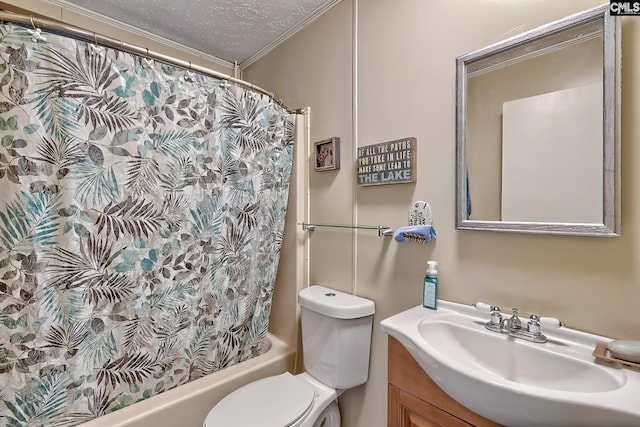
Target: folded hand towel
x,y
415,233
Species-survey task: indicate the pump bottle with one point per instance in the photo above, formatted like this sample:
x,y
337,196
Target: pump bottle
x,y
430,289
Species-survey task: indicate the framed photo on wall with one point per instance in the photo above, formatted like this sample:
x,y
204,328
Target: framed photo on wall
x,y
327,154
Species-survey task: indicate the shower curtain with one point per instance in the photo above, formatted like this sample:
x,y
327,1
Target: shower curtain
x,y
141,218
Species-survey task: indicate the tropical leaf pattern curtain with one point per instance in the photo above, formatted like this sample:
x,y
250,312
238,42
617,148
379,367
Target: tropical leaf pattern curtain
x,y
141,217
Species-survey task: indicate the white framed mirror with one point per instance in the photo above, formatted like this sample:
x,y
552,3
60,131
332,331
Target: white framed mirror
x,y
538,130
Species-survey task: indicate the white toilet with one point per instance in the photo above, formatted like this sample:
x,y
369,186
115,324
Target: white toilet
x,y
336,341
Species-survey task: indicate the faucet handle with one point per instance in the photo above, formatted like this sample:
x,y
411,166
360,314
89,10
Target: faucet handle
x,y
496,316
514,322
533,325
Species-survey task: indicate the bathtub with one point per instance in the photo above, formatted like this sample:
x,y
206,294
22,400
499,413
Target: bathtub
x,y
188,405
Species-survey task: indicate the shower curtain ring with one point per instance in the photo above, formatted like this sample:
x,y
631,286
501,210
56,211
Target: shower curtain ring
x,y
36,34
188,75
146,61
95,47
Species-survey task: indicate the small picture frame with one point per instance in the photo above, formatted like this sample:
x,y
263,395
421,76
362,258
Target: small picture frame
x,y
327,154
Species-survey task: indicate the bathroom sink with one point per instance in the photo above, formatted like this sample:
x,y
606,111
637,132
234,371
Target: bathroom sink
x,y
516,361
512,381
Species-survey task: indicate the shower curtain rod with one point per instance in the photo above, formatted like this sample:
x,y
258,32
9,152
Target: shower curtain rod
x,y
102,40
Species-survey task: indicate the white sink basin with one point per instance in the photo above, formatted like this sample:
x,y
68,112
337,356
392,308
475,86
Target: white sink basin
x,y
515,382
515,360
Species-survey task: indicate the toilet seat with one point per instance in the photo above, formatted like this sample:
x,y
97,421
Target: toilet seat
x,y
281,400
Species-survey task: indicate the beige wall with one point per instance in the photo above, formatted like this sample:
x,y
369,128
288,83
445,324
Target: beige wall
x,y
405,86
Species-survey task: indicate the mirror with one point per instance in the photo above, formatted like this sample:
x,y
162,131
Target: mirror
x,y
537,130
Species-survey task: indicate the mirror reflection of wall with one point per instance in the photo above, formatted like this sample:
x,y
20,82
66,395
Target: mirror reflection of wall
x,y
552,157
575,65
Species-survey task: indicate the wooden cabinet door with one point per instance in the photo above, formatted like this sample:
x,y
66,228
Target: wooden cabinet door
x,y
406,410
423,402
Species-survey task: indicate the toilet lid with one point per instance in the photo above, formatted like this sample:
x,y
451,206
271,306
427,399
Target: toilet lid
x,y
270,402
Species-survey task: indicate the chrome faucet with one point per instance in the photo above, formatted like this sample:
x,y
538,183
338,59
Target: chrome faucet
x,y
513,326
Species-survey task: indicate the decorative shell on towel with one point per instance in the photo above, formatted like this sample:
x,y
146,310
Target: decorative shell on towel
x,y
420,214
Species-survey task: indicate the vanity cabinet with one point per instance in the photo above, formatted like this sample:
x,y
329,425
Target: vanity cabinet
x,y
414,400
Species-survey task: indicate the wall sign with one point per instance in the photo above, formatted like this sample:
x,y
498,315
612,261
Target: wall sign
x,y
392,162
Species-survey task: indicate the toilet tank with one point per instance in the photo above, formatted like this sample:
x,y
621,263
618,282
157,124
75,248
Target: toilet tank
x,y
336,336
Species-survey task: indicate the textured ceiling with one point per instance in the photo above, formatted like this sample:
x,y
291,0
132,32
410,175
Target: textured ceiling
x,y
232,30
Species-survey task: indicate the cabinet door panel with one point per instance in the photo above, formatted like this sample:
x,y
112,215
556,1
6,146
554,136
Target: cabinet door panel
x,y
406,410
407,375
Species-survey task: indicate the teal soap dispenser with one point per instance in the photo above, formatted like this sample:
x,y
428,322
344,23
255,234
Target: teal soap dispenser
x,y
430,289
